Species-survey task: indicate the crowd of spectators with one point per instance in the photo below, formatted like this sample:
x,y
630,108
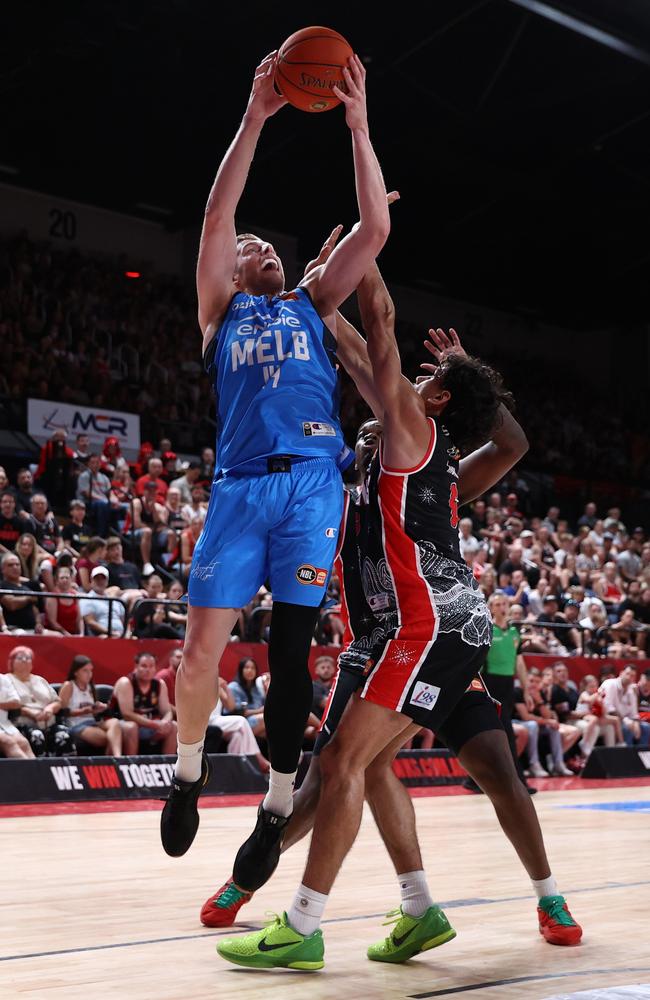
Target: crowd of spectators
x,y
138,713
557,720
109,552
76,330
115,559
578,588
92,544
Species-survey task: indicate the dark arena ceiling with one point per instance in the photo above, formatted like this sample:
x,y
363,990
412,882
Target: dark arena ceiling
x,y
515,130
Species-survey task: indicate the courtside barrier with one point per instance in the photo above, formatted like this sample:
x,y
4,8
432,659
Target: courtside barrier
x,y
617,762
85,779
114,657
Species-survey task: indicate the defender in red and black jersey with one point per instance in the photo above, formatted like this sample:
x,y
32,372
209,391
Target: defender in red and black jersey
x,y
437,628
437,624
406,561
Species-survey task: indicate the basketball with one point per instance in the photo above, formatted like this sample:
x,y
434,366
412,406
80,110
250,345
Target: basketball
x,y
309,64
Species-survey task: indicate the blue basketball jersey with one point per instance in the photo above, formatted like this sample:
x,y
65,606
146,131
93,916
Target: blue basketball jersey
x,y
274,369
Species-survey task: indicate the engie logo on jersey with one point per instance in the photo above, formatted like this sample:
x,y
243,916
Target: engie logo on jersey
x,y
425,695
308,574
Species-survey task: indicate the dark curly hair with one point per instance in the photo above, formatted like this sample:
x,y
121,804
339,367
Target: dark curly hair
x,y
476,392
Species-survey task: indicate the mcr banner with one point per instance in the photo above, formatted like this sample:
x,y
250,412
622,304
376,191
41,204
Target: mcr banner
x,y
44,417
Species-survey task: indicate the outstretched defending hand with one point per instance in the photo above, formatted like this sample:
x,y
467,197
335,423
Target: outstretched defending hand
x,y
333,239
442,346
354,74
325,250
264,100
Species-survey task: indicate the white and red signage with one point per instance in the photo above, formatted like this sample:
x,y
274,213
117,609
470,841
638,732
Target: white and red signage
x,y
44,417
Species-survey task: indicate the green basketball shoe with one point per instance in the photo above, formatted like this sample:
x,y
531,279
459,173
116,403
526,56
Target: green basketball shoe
x,y
277,946
411,935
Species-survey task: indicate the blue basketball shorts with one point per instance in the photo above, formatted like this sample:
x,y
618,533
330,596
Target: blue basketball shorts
x,y
280,526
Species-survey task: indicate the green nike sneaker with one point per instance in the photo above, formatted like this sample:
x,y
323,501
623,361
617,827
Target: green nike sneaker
x,y
277,946
411,935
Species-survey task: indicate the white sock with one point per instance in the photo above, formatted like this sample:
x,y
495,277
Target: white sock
x,y
416,898
306,910
545,886
279,798
188,762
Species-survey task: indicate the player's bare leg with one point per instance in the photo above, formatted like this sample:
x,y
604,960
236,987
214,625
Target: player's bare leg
x,y
392,807
197,688
365,731
487,758
387,797
305,804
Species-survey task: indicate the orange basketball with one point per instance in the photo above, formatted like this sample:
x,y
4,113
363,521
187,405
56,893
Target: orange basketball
x,y
309,64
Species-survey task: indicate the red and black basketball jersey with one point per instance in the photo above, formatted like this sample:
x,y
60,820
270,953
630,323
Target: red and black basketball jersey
x,y
415,580
361,627
146,703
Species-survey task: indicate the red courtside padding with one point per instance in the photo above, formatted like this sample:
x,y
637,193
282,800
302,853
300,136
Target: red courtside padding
x,y
114,657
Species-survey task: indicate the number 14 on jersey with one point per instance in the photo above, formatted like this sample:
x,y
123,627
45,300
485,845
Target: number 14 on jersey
x,y
271,374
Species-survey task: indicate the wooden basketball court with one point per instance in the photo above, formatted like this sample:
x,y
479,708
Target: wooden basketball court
x,y
92,908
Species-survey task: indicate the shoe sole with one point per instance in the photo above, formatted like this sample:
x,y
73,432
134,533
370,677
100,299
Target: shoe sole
x,y
562,943
255,963
210,909
228,923
403,956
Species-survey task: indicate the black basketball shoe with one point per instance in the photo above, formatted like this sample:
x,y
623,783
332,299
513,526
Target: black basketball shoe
x,y
179,819
258,857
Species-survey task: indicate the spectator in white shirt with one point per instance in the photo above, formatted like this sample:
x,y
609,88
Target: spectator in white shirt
x,y
535,597
587,603
586,558
620,698
595,617
565,549
469,544
95,613
629,562
185,482
12,741
597,535
94,488
235,728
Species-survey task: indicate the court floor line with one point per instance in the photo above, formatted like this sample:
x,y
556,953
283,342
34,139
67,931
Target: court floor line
x,y
449,904
525,979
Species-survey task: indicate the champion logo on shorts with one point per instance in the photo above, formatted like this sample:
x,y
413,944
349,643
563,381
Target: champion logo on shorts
x,y
312,429
425,695
309,574
330,532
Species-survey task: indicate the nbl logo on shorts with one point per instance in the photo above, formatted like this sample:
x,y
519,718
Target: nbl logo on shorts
x,y
425,695
309,574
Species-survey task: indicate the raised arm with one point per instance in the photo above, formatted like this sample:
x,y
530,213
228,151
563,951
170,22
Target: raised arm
x,y
218,247
406,429
330,285
487,465
352,350
508,444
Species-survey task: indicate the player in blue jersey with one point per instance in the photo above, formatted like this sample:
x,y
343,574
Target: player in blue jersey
x,y
275,504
